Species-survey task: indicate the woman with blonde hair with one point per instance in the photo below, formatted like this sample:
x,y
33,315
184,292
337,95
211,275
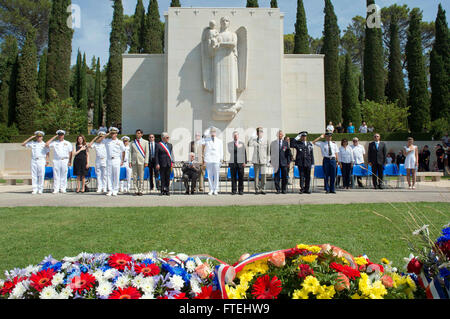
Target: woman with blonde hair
x,y
411,161
80,162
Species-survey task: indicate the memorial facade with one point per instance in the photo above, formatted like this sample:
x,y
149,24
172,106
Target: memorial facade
x,y
223,67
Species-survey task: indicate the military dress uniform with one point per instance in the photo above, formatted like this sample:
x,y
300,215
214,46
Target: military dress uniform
x,y
213,157
38,160
100,164
304,161
125,185
329,152
114,151
61,154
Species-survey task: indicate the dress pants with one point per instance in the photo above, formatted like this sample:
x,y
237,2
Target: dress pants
x,y
164,173
346,173
284,171
38,174
377,175
305,177
190,176
237,170
138,177
213,176
100,171
154,174
113,175
60,169
126,184
260,183
201,180
329,170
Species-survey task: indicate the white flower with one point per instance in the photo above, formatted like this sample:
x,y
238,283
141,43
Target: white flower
x,y
423,229
104,289
48,292
183,257
148,296
190,266
66,293
198,261
195,287
177,282
18,291
29,270
122,282
148,286
138,281
109,274
2,283
98,274
58,279
138,257
70,259
65,265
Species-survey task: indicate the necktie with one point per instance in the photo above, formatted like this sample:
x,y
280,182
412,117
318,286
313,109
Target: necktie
x,y
329,149
376,145
153,154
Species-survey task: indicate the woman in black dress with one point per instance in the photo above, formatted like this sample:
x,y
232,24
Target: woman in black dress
x,y
80,162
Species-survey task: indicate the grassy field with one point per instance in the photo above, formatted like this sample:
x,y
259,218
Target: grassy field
x,y
29,234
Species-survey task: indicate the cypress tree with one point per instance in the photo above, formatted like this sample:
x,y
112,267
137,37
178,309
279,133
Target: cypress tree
x,y
138,28
301,39
42,75
350,105
395,87
252,4
77,80
415,64
175,3
9,57
153,33
273,4
83,105
440,69
27,96
361,96
117,46
373,62
333,100
98,97
59,50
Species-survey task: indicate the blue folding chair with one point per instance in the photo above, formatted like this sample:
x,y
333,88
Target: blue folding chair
x,y
123,173
92,175
318,174
360,171
71,177
391,170
48,176
401,173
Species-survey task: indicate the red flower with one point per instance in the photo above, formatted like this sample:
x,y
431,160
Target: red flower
x,y
82,282
147,270
346,270
126,293
445,248
119,261
414,266
295,252
208,293
267,288
181,295
42,279
304,271
9,286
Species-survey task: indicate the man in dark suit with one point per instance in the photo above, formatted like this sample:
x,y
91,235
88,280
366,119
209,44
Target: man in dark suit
x,y
280,157
191,171
164,161
377,157
154,174
237,162
304,160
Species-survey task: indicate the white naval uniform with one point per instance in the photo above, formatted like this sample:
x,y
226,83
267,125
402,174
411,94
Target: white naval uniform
x,y
114,150
61,154
100,165
213,158
126,184
38,161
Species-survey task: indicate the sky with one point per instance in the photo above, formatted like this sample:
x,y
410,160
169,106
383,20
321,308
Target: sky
x,y
93,35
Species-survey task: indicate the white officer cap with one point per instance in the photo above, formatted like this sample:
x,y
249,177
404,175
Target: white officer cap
x,y
113,130
101,133
61,132
39,133
125,138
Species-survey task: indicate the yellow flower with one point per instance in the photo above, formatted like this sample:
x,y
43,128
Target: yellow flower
x,y
313,249
324,292
311,284
411,283
370,290
300,294
345,261
356,296
309,258
361,261
302,246
385,261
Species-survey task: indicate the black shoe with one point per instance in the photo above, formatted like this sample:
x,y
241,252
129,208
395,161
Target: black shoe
x,y
257,193
187,192
233,193
140,194
278,192
333,192
301,191
307,192
263,193
167,194
284,192
241,193
192,193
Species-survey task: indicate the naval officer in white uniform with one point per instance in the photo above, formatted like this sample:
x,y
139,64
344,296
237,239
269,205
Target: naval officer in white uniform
x,y
115,151
98,144
39,159
213,157
62,157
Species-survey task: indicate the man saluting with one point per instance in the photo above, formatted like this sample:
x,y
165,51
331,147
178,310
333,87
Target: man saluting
x,y
304,160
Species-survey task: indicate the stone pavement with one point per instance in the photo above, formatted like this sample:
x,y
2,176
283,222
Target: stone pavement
x,y
13,196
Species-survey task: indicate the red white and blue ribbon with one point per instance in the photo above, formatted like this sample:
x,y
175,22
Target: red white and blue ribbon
x,y
432,286
139,147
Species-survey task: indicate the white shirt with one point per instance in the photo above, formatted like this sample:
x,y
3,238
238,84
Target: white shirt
x,y
388,160
38,149
61,150
114,148
100,150
127,153
363,129
150,143
358,154
213,150
330,128
346,154
324,147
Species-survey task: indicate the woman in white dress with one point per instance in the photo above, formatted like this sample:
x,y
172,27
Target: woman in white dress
x,y
411,161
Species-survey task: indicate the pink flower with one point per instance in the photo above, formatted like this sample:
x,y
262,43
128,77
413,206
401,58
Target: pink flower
x,y
278,259
387,281
244,257
203,270
342,282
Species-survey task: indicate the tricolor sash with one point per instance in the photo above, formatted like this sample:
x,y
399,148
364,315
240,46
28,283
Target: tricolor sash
x,y
167,152
139,147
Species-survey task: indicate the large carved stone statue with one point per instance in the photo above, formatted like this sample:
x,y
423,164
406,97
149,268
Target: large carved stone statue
x,y
224,67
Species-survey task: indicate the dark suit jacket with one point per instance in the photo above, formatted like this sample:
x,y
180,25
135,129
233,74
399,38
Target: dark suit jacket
x,y
377,156
161,157
284,155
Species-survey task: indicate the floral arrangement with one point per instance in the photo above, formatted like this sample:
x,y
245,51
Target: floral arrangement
x,y
318,272
430,265
117,276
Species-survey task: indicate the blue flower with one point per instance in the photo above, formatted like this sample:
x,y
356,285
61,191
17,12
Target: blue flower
x,y
444,272
147,261
177,271
84,269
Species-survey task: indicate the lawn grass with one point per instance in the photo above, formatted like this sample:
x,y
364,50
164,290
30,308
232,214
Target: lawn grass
x,y
31,233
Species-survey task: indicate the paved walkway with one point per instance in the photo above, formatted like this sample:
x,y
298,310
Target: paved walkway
x,y
13,196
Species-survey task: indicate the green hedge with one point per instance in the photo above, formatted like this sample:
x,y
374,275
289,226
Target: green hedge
x,y
336,137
